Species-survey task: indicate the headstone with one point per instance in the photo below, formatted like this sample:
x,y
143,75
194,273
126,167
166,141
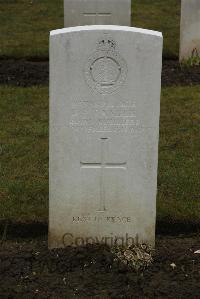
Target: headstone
x,y
97,12
190,29
104,125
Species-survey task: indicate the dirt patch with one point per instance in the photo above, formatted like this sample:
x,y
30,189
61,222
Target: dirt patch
x,y
29,270
24,73
27,73
173,74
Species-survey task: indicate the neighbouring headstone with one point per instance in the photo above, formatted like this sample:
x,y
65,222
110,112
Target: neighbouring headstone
x,y
190,29
104,127
97,12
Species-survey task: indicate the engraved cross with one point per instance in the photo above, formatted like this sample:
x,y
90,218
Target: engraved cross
x,y
97,15
103,165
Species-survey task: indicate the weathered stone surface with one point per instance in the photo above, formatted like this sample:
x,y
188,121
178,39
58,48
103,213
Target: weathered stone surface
x,y
190,29
97,12
104,127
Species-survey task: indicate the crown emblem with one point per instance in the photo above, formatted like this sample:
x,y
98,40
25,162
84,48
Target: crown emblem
x,y
105,69
106,44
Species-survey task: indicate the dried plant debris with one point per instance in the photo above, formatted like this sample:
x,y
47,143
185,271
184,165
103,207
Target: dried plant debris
x,y
137,257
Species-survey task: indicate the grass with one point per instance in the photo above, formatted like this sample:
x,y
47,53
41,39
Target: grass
x,y
193,60
25,25
179,155
24,154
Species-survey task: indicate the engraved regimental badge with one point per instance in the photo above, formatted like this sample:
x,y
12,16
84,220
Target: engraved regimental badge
x,y
106,70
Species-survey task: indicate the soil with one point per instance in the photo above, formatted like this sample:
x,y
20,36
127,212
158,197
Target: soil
x,y
24,73
27,73
29,270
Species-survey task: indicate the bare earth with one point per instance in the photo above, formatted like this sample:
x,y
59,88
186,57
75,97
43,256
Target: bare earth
x,y
29,270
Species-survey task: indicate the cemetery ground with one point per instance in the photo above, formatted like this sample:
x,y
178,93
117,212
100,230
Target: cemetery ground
x,y
27,268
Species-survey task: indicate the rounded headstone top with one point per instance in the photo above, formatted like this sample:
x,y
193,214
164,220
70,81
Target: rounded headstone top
x,y
106,27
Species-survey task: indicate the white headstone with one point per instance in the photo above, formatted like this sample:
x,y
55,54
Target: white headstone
x,y
104,126
190,28
97,12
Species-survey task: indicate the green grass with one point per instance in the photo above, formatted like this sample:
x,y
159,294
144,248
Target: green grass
x,y
24,154
193,60
179,155
25,25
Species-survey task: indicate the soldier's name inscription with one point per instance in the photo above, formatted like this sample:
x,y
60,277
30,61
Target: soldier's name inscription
x,y
102,117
